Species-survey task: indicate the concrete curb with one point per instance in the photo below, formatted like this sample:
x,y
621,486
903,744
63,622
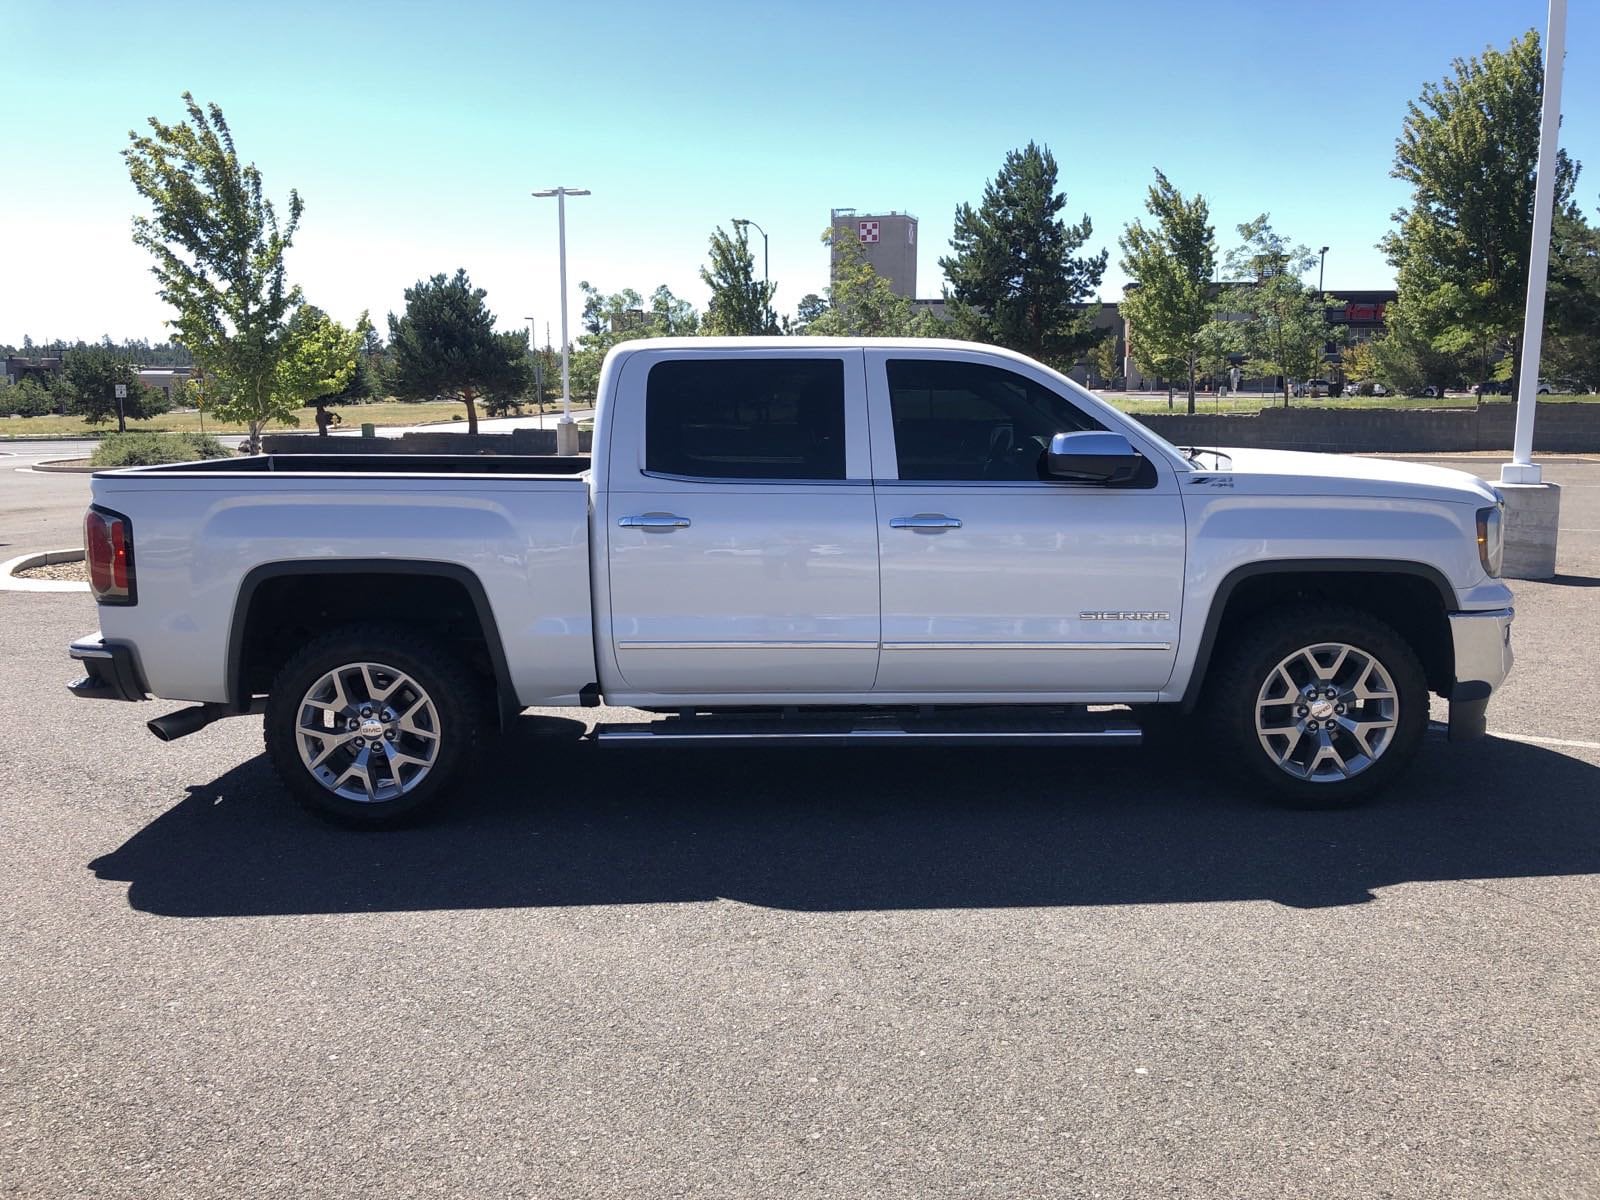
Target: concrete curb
x,y
66,466
10,583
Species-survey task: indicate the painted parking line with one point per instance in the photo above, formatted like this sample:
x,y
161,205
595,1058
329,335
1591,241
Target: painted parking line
x,y
1544,741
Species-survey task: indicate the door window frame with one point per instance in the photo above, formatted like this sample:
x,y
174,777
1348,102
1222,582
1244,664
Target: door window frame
x,y
885,462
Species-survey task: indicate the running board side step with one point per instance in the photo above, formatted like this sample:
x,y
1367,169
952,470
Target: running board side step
x,y
802,731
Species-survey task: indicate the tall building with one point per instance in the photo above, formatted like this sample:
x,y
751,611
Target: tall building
x,y
888,242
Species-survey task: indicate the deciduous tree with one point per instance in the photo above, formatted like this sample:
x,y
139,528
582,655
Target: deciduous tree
x,y
862,303
1015,277
1280,325
740,303
1469,148
219,252
1172,263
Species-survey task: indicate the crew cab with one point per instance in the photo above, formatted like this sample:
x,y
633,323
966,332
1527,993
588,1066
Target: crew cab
x,y
807,541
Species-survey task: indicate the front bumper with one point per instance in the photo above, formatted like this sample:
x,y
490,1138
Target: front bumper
x,y
111,671
1482,642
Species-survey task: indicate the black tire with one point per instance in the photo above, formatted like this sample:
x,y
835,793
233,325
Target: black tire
x,y
455,719
1243,667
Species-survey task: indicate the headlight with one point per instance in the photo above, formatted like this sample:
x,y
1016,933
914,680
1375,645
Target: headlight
x,y
1491,539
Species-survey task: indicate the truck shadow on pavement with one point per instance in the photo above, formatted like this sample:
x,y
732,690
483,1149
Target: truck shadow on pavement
x,y
549,822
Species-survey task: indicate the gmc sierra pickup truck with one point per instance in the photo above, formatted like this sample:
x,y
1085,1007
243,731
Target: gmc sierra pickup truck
x,y
807,541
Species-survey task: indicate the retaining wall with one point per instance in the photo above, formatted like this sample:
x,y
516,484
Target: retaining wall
x,y
1558,428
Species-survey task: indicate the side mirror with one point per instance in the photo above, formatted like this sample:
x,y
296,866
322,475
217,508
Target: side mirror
x,y
1093,457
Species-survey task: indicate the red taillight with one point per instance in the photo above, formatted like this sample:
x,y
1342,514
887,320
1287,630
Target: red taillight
x,y
108,546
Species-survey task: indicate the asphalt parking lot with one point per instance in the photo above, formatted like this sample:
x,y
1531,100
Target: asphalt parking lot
x,y
796,974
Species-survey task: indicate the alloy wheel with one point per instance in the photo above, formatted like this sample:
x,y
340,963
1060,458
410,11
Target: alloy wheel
x,y
367,732
1327,712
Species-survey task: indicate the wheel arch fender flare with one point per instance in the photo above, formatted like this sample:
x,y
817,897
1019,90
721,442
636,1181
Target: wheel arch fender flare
x,y
1298,566
455,572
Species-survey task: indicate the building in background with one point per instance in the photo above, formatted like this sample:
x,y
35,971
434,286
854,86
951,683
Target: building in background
x,y
888,243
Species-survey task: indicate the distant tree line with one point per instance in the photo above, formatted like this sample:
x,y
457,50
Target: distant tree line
x,y
1019,275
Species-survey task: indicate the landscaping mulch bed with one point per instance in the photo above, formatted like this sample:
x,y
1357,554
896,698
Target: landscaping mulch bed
x,y
67,572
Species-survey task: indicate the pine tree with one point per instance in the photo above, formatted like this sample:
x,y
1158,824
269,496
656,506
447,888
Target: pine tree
x,y
445,345
1015,279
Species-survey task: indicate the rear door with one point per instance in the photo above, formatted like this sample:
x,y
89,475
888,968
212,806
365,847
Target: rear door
x,y
997,579
741,536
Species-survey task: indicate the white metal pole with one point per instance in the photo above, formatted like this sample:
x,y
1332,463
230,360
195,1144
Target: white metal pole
x,y
1521,468
566,384
566,429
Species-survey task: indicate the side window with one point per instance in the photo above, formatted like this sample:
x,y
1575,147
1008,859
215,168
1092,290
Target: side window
x,y
746,418
971,421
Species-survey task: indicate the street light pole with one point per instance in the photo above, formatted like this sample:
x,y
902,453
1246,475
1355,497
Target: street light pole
x,y
538,365
566,430
766,276
1320,268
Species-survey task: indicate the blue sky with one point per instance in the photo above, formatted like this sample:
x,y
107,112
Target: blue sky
x,y
414,132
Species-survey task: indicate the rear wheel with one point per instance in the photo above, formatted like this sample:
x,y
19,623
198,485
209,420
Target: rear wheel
x,y
370,725
1322,706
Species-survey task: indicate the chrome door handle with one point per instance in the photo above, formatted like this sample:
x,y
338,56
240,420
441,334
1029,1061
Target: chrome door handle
x,y
654,520
925,521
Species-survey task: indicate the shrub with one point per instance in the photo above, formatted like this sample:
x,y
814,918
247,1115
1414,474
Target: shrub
x,y
27,398
149,449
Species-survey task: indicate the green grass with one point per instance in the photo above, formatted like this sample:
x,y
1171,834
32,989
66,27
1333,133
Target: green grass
x,y
1253,402
382,412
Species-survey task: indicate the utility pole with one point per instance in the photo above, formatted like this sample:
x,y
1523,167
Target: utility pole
x,y
566,429
1322,266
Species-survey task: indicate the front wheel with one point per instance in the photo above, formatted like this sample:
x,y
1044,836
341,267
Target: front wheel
x,y
1322,706
370,724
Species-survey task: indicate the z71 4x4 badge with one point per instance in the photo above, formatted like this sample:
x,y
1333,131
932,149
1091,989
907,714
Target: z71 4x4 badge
x,y
1105,615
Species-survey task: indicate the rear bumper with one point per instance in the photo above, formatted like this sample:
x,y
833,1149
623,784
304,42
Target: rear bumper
x,y
110,670
1483,656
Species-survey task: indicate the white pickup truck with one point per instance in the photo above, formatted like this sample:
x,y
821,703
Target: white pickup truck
x,y
807,541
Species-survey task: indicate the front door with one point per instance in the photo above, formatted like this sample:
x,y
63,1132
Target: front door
x,y
996,580
742,546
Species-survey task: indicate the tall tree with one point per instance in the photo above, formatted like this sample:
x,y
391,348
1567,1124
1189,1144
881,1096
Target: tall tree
x,y
445,344
1572,352
1469,148
740,303
1279,324
218,252
862,303
1015,277
1172,263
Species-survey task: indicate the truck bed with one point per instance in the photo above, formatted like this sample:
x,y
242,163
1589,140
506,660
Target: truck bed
x,y
369,464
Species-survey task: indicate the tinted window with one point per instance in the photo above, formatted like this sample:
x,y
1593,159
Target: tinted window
x,y
958,420
742,418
